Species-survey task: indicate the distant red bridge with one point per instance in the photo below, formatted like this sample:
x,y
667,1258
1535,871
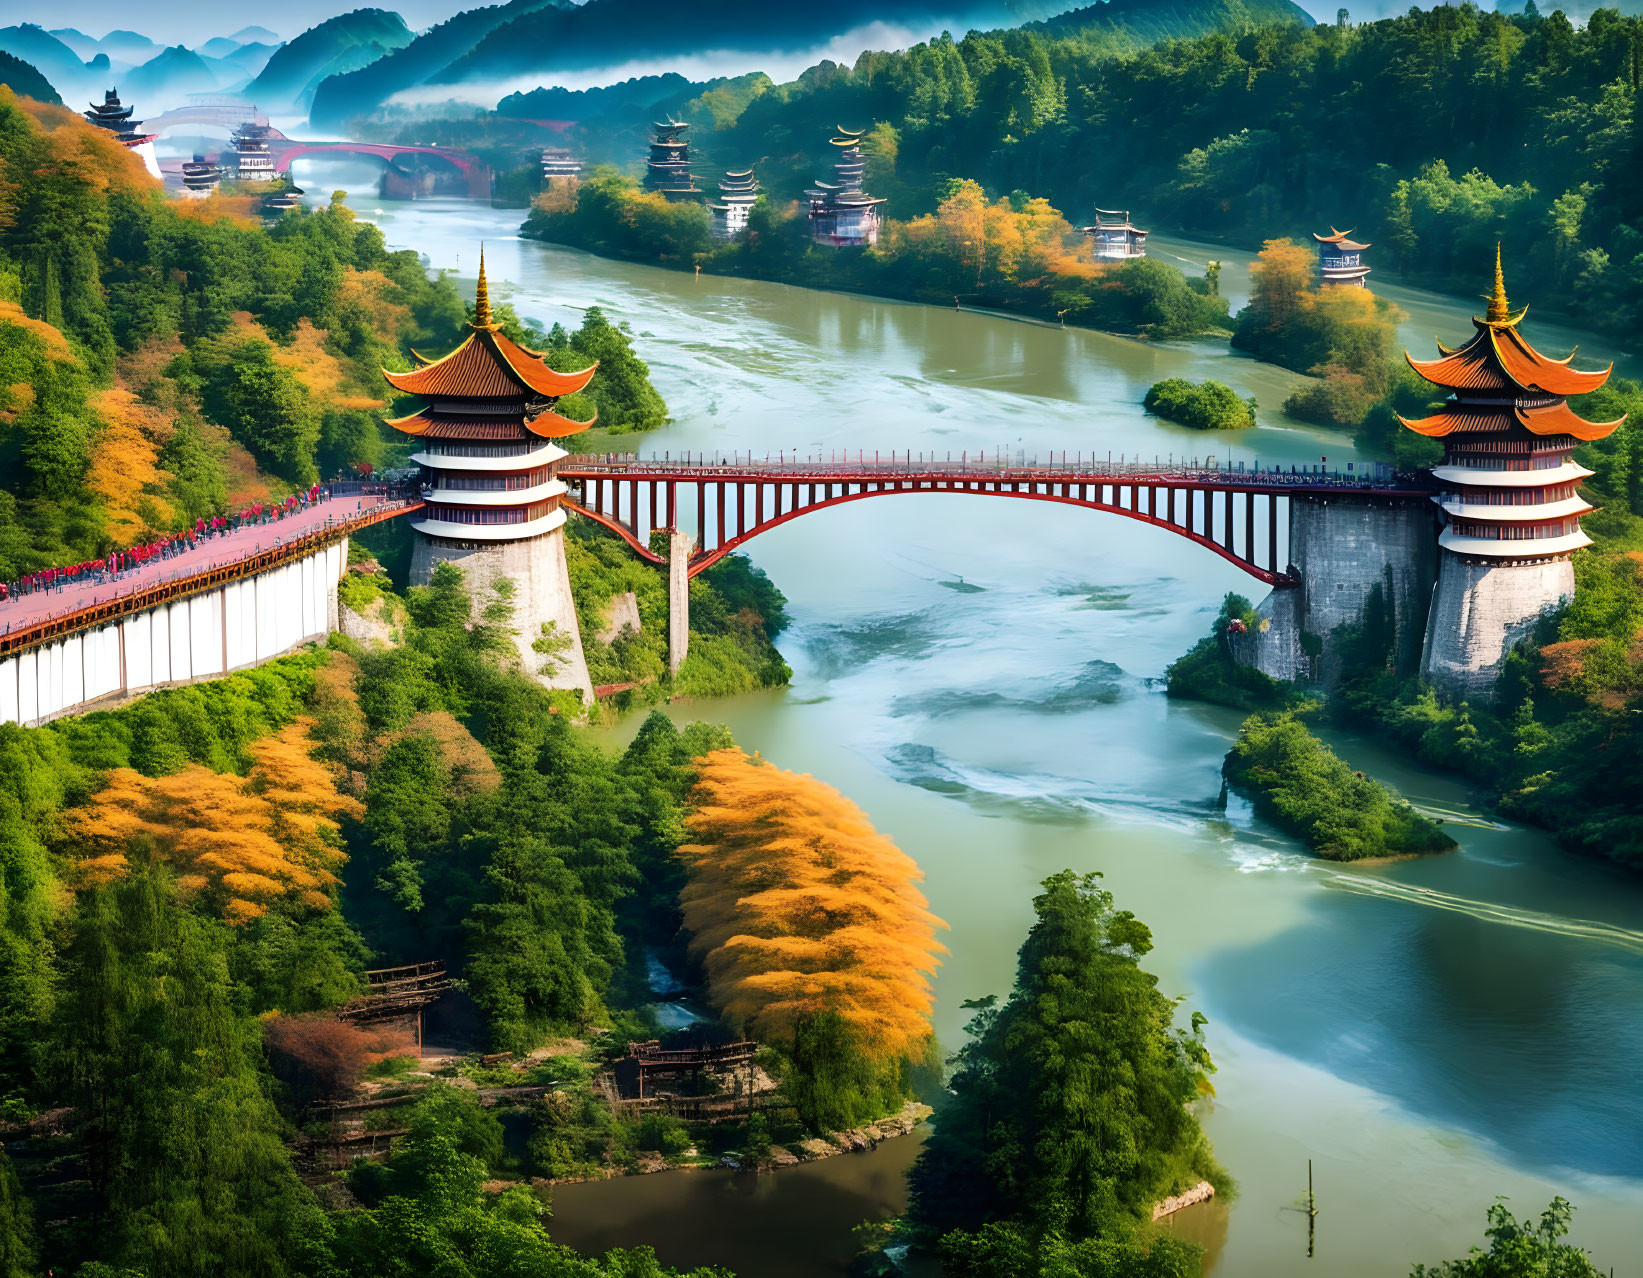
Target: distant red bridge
x,y
1233,512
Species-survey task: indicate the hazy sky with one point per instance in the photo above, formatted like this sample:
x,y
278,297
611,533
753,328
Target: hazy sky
x,y
193,22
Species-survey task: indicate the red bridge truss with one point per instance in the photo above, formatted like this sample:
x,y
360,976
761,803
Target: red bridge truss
x,y
1234,512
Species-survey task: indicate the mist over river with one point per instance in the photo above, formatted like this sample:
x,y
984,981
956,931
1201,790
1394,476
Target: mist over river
x,y
1431,1033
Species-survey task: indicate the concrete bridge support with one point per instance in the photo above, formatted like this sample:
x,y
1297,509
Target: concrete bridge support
x,y
204,636
1342,549
679,546
546,632
1479,612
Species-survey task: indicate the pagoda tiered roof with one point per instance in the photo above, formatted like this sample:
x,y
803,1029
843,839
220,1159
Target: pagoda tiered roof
x,y
1501,382
490,366
1339,240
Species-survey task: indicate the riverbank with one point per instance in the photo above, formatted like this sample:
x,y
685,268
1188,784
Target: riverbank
x,y
1014,257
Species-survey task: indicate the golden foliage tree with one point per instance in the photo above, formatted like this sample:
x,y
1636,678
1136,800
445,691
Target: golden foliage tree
x,y
1003,242
797,906
243,843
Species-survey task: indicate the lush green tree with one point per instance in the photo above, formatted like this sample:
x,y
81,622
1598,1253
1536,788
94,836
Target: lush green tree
x,y
1521,1249
1071,1112
181,1141
1210,405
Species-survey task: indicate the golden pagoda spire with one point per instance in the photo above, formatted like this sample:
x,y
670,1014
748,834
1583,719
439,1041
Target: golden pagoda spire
x,y
1499,312
482,297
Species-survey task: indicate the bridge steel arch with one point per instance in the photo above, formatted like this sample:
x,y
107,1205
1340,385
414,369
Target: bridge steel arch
x,y
474,172
1236,515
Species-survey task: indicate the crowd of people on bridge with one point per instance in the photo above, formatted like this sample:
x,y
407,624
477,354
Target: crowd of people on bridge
x,y
119,563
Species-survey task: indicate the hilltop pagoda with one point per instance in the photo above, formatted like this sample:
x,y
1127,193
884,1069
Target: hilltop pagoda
x,y
114,116
668,168
1115,237
252,160
737,192
488,446
1340,260
1510,493
200,177
841,215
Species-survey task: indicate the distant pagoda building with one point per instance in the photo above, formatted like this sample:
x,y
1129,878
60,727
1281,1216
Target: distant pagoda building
x,y
200,177
285,196
112,115
558,164
487,444
841,214
668,168
253,161
738,191
1510,494
1115,237
1340,260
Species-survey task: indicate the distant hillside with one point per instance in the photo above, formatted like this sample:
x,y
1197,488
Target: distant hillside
x,y
23,80
163,81
128,46
604,33
1151,20
46,54
335,47
256,35
342,97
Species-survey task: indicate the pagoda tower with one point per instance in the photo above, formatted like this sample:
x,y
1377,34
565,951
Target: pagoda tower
x,y
110,114
841,215
558,164
1115,237
737,192
487,445
252,160
200,177
1510,494
1340,260
668,168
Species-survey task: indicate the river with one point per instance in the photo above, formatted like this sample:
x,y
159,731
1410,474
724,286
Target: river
x,y
1431,1034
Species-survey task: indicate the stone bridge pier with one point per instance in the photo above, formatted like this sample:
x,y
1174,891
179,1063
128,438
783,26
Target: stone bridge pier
x,y
1342,549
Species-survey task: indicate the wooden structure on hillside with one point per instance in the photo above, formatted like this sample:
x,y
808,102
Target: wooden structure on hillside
x,y
398,992
648,1064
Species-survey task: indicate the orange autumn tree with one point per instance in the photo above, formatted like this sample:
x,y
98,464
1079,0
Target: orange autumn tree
x,y
800,910
241,843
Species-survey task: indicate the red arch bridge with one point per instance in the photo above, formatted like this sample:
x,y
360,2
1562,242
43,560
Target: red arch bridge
x,y
1234,511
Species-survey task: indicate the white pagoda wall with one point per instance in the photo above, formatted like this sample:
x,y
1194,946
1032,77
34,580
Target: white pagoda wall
x,y
244,623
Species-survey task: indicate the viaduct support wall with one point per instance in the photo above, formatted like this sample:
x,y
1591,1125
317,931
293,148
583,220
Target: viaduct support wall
x,y
237,625
546,632
1343,549
1479,612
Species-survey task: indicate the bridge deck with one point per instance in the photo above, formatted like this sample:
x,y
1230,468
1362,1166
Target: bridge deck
x,y
22,618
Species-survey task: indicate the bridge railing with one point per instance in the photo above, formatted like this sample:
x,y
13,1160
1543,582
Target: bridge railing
x,y
1065,466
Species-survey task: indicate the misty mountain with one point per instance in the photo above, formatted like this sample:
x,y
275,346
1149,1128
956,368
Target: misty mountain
x,y
340,98
335,47
219,47
252,58
85,47
611,33
163,81
128,46
256,35
26,82
49,56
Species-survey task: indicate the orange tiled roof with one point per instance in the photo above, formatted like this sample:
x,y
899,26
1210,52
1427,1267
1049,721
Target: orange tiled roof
x,y
429,425
1550,419
488,366
551,425
1498,358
